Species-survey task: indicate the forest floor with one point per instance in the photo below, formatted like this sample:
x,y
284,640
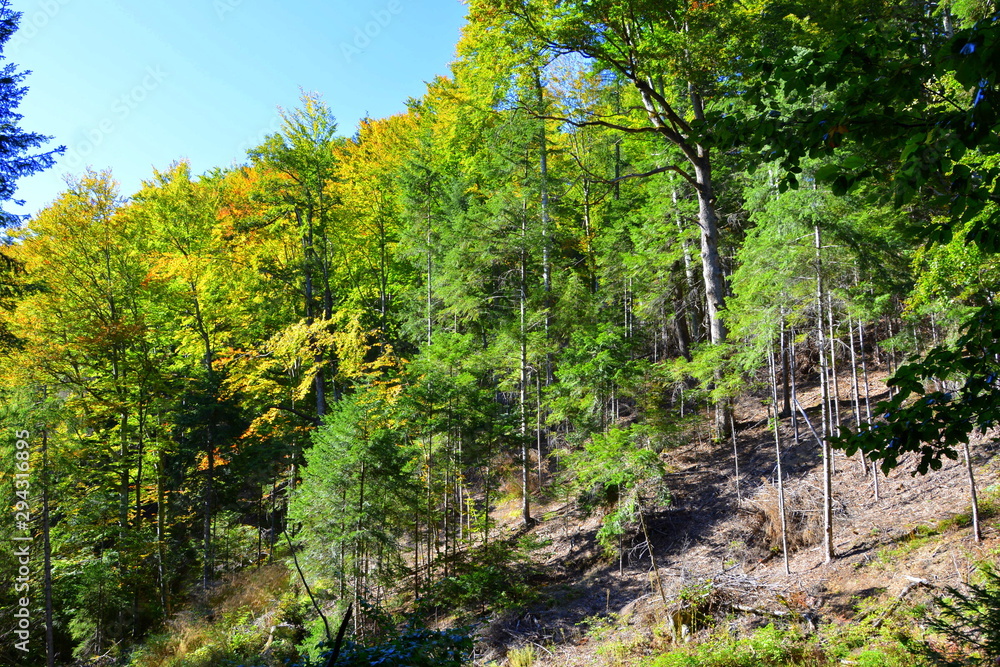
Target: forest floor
x,y
592,610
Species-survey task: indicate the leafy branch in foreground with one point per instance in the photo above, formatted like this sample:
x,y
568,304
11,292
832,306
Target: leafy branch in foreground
x,y
933,423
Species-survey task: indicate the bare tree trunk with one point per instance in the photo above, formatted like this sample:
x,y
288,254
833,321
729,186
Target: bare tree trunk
x,y
736,458
523,297
855,393
976,532
827,454
538,428
833,365
795,397
652,558
868,402
777,453
786,407
546,224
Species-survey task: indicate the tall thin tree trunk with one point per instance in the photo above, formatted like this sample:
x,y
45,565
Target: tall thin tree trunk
x,y
855,391
835,397
430,289
209,566
652,558
777,453
538,428
50,645
868,402
827,454
161,533
786,406
795,398
543,165
523,297
736,457
976,532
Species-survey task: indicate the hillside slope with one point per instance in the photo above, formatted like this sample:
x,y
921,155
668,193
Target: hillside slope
x,y
717,541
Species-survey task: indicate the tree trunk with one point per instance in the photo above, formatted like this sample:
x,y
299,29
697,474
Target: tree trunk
x,y
715,285
736,457
207,509
855,390
50,647
161,534
835,395
795,397
523,298
708,221
777,453
786,399
976,532
827,454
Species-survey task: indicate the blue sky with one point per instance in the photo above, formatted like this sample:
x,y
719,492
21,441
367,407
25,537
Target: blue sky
x,y
137,84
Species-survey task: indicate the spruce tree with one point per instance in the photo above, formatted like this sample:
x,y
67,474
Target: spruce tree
x,y
17,146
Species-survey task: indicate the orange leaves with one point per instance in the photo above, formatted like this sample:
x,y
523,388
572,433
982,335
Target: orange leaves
x,y
217,460
835,136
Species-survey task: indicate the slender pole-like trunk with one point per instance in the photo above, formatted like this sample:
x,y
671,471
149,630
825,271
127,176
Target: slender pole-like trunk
x,y
681,322
855,390
795,398
827,454
868,402
486,493
209,566
50,645
652,558
543,167
777,453
430,288
835,395
976,532
892,353
446,500
736,458
855,387
538,428
864,370
416,553
523,298
123,491
161,532
786,398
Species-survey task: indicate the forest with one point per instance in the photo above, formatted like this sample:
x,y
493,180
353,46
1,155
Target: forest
x,y
373,358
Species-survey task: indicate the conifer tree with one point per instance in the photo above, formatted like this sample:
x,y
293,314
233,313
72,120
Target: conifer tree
x,y
18,156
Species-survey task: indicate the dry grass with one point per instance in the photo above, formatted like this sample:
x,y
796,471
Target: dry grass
x,y
251,589
803,517
236,616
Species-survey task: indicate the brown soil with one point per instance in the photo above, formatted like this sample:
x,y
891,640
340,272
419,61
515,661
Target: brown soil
x,y
711,532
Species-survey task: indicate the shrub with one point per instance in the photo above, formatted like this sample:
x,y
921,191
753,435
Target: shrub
x,y
412,648
969,622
